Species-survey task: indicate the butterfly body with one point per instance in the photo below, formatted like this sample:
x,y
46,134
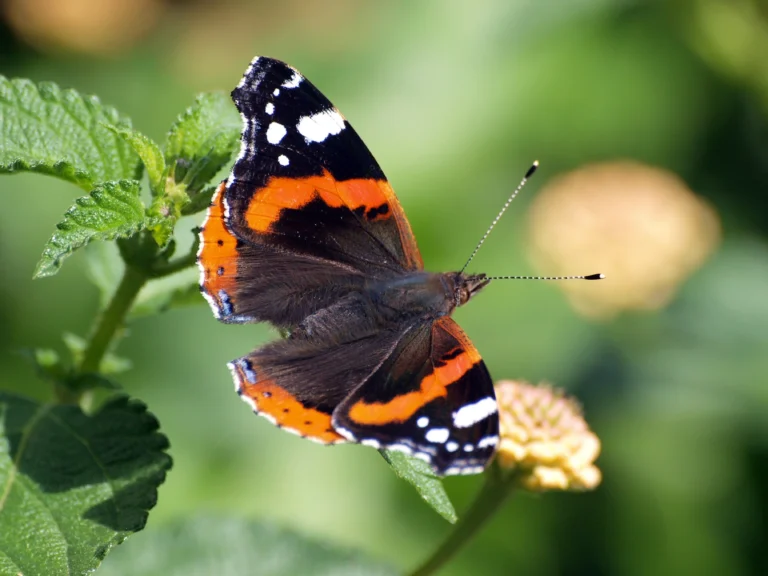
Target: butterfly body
x,y
307,234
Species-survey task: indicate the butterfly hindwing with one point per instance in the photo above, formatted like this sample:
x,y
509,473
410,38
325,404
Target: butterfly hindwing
x,y
297,383
432,397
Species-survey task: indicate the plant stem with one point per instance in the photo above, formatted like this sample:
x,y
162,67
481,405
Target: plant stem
x,y
177,265
112,318
495,490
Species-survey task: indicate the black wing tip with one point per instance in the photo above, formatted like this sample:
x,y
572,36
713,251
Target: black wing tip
x,y
258,68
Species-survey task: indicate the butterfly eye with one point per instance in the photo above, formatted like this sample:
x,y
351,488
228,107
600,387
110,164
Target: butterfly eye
x,y
468,286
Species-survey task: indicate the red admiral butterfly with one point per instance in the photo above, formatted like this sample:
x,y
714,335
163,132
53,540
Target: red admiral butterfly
x,y
307,234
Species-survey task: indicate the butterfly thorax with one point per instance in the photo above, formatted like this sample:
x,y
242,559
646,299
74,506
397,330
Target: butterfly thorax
x,y
426,295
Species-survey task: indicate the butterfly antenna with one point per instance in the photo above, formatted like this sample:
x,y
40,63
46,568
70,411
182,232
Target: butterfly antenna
x,y
512,196
588,277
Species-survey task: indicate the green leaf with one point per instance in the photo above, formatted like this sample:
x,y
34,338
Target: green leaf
x,y
150,155
163,215
175,291
202,141
429,486
72,485
59,132
199,201
112,210
79,383
110,364
234,547
47,363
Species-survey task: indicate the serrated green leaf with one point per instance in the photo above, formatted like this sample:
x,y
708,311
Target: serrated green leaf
x,y
202,140
429,486
150,154
59,132
234,547
72,485
112,210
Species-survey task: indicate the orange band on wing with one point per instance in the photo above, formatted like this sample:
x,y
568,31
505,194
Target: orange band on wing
x,y
218,251
404,406
294,193
287,411
375,196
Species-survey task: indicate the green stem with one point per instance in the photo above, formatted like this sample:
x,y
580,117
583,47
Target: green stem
x,y
190,259
495,490
112,318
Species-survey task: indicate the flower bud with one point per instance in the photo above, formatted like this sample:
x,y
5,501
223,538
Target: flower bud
x,y
545,439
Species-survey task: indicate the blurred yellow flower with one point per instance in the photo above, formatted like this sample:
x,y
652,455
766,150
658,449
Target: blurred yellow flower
x,y
545,439
640,226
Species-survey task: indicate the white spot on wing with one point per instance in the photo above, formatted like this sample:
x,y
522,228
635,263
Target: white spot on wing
x,y
275,133
370,442
276,92
463,470
283,159
318,127
344,432
269,108
437,435
471,414
451,446
293,81
400,448
422,422
488,441
468,447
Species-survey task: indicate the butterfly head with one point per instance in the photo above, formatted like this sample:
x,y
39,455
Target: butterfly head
x,y
467,285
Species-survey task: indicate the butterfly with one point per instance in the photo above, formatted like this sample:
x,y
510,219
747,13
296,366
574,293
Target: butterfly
x,y
307,234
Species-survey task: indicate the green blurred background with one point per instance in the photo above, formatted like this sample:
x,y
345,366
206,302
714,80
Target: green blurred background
x,y
455,99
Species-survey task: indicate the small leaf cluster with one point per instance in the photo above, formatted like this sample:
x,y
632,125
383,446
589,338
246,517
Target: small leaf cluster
x,y
74,480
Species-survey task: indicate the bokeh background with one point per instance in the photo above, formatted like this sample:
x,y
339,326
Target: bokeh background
x,y
650,120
